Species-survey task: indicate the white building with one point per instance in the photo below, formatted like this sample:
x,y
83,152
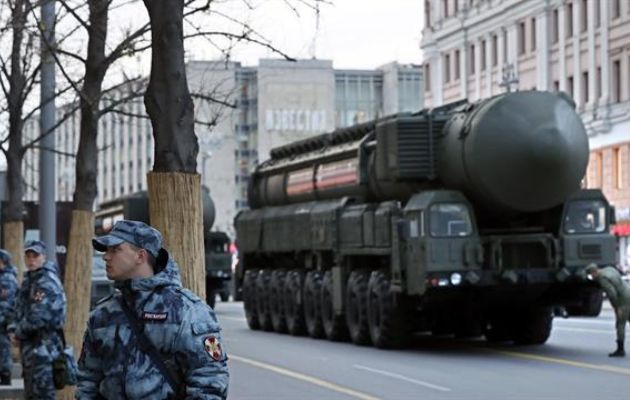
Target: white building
x,y
272,104
473,48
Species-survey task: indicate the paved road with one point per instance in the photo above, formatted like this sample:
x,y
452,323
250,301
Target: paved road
x,y
572,365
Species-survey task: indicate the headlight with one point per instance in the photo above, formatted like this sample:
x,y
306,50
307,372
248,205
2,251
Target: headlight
x,y
456,278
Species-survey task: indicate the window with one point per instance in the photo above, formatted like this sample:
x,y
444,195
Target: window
x,y
585,93
556,86
445,7
584,16
447,68
483,55
456,6
449,220
616,8
472,58
598,17
616,81
533,35
618,168
495,45
598,82
457,64
505,46
569,15
427,77
570,86
585,216
427,13
555,26
521,38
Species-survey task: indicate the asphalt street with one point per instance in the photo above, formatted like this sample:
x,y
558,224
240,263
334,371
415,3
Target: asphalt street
x,y
573,364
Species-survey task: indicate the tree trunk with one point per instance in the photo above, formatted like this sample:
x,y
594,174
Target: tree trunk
x,y
79,261
14,244
175,207
79,267
174,185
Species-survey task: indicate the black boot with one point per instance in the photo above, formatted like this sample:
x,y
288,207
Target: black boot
x,y
620,352
5,378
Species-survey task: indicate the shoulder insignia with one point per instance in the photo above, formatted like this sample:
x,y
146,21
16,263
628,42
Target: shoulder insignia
x,y
38,295
213,347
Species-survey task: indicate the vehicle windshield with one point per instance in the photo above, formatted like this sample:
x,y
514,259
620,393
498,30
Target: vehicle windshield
x,y
585,216
449,220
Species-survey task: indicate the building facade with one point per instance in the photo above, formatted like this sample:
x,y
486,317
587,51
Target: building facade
x,y
478,48
256,109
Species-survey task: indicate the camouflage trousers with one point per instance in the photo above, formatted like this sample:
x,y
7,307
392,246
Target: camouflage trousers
x,y
37,369
622,317
5,353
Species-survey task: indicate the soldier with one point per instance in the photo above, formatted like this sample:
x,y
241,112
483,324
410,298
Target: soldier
x,y
40,312
8,289
618,292
153,339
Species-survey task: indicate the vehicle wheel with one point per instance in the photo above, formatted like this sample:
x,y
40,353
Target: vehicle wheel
x,y
386,316
534,326
498,330
249,299
211,297
334,324
276,300
262,299
591,305
293,302
356,311
312,304
468,325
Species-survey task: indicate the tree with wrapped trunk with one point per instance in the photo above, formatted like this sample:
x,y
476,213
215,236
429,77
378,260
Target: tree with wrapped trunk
x,y
174,185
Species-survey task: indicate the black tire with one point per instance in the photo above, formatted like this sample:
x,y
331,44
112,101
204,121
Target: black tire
x,y
468,325
262,300
249,299
498,329
333,323
276,300
293,302
211,297
386,316
356,308
312,304
590,306
534,326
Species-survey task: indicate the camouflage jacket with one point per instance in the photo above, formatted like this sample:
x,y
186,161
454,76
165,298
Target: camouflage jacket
x,y
8,290
180,326
616,289
40,306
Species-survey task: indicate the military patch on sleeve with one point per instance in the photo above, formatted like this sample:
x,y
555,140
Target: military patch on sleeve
x,y
213,347
38,295
154,316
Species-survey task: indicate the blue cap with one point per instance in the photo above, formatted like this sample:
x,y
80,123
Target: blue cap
x,y
136,233
36,246
5,256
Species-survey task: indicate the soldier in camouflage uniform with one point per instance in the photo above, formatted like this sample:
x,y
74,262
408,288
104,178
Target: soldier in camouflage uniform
x,y
181,328
8,289
618,293
40,312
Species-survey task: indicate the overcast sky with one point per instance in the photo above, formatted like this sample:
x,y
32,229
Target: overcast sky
x,y
361,34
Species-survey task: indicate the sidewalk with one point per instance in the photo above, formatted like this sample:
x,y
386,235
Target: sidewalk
x,y
16,390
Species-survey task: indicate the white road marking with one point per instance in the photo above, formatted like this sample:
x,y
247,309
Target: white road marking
x,y
305,378
587,330
240,319
584,321
402,378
